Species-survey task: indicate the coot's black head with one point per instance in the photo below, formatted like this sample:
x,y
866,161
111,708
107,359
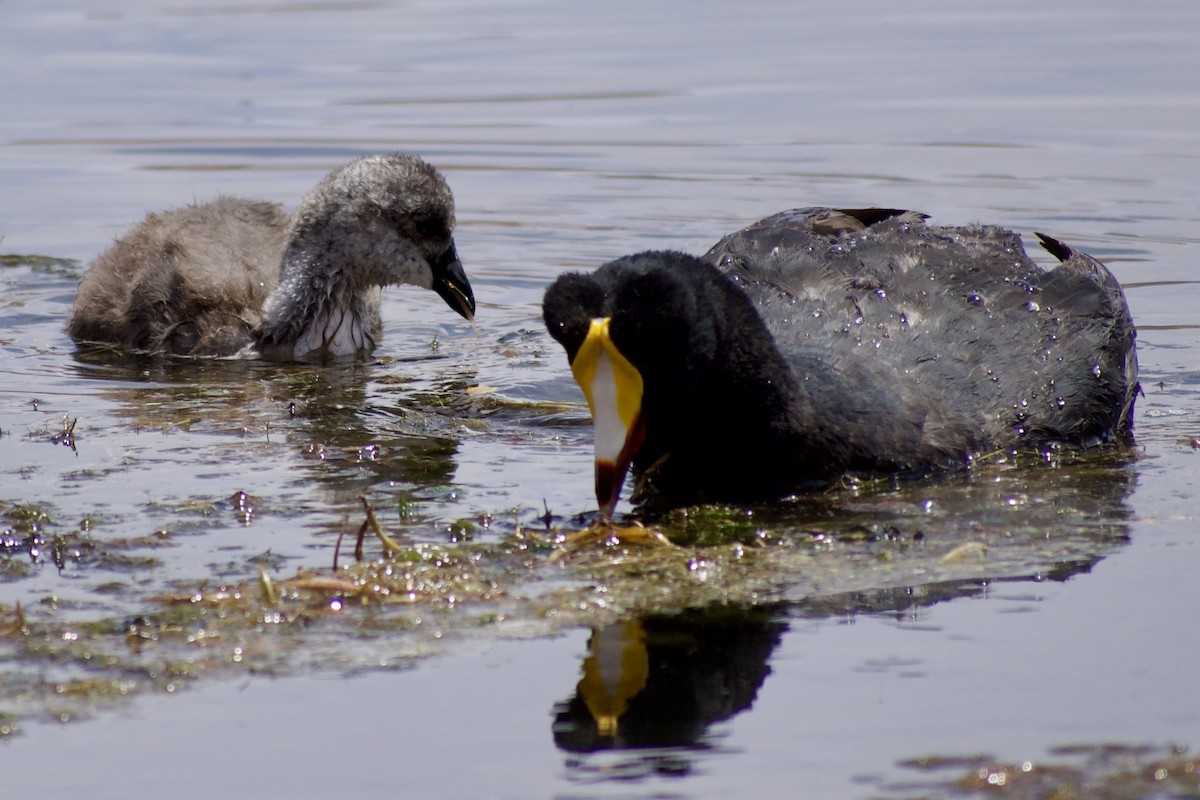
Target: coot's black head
x,y
636,332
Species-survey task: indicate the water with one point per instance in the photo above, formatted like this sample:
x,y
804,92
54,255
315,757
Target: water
x,y
572,135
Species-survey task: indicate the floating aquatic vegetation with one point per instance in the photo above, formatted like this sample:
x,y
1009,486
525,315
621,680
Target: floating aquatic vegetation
x,y
1095,771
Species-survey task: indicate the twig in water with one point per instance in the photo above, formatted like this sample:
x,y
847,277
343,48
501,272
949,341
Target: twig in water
x,y
388,544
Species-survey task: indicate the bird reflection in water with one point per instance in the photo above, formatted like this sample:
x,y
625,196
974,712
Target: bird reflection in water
x,y
662,681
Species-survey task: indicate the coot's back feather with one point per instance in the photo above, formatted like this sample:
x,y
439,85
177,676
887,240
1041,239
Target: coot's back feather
x,y
958,320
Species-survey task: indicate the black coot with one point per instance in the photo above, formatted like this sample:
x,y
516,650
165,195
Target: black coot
x,y
822,342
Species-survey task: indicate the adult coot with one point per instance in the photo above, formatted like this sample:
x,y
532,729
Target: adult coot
x,y
824,342
238,276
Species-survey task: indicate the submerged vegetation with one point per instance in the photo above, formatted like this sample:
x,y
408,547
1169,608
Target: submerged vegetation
x,y
1096,772
391,595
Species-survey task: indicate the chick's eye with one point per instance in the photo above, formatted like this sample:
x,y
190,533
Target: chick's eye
x,y
429,228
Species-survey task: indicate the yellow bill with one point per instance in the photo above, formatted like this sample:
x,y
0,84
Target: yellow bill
x,y
613,388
